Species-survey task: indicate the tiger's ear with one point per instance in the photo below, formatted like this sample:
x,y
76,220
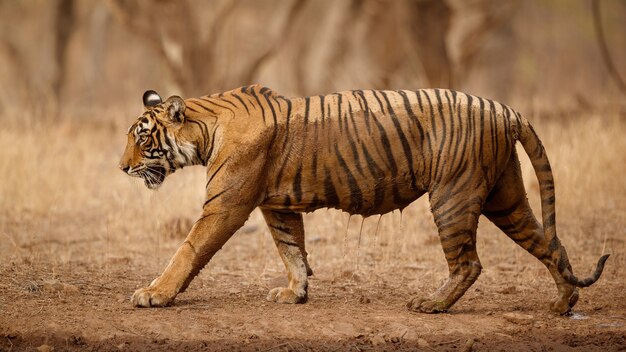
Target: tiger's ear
x,y
151,98
175,108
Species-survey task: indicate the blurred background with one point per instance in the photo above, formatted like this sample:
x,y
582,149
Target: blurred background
x,y
72,74
69,57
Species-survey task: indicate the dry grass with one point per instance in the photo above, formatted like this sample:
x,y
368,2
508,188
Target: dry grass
x,y
63,200
68,214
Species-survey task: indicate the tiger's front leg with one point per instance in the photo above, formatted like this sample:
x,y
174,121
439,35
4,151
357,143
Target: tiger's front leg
x,y
287,229
231,197
206,237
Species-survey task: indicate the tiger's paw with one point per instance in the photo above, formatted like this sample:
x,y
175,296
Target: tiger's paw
x,y
564,305
422,305
286,295
152,297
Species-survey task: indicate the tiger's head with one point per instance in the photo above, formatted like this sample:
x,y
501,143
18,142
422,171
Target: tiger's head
x,y
156,144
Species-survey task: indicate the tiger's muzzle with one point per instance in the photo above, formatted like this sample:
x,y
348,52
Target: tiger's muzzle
x,y
152,175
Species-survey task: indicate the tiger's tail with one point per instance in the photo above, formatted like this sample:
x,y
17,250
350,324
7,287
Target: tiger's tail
x,y
539,159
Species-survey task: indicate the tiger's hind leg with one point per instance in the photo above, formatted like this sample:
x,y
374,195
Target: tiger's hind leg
x,y
287,229
507,207
457,219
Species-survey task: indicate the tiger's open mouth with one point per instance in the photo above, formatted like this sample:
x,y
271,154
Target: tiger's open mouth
x,y
153,176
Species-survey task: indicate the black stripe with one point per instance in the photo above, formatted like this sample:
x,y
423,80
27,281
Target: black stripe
x,y
253,93
385,141
470,130
288,118
518,121
428,138
464,246
289,243
356,197
282,166
297,186
187,106
503,212
366,110
554,244
223,98
353,148
459,133
215,196
315,203
351,115
507,127
279,228
339,112
454,235
157,138
418,93
562,265
170,145
482,129
412,116
495,134
329,190
389,159
208,100
405,144
452,215
511,228
378,174
547,184
322,109
544,168
275,130
345,120
314,157
491,125
550,220
208,155
216,171
436,172
457,186
306,111
464,158
204,130
522,236
242,102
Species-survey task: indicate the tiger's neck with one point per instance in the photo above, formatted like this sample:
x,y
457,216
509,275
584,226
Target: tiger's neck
x,y
199,141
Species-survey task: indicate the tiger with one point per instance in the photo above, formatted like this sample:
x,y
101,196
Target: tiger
x,y
364,152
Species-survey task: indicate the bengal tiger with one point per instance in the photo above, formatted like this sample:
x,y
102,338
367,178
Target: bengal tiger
x,y
363,151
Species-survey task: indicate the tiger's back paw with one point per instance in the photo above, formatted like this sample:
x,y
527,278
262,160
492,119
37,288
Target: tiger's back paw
x,y
564,304
151,297
286,295
422,305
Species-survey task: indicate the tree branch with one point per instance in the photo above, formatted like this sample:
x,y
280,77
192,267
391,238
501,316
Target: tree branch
x,y
604,49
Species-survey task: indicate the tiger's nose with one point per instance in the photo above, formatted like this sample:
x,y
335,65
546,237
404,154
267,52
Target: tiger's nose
x,y
125,168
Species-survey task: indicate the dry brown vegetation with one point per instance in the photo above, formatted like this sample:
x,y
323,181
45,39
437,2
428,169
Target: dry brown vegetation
x,y
68,214
78,236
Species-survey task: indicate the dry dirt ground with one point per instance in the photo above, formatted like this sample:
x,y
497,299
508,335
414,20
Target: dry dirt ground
x,y
86,307
78,237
